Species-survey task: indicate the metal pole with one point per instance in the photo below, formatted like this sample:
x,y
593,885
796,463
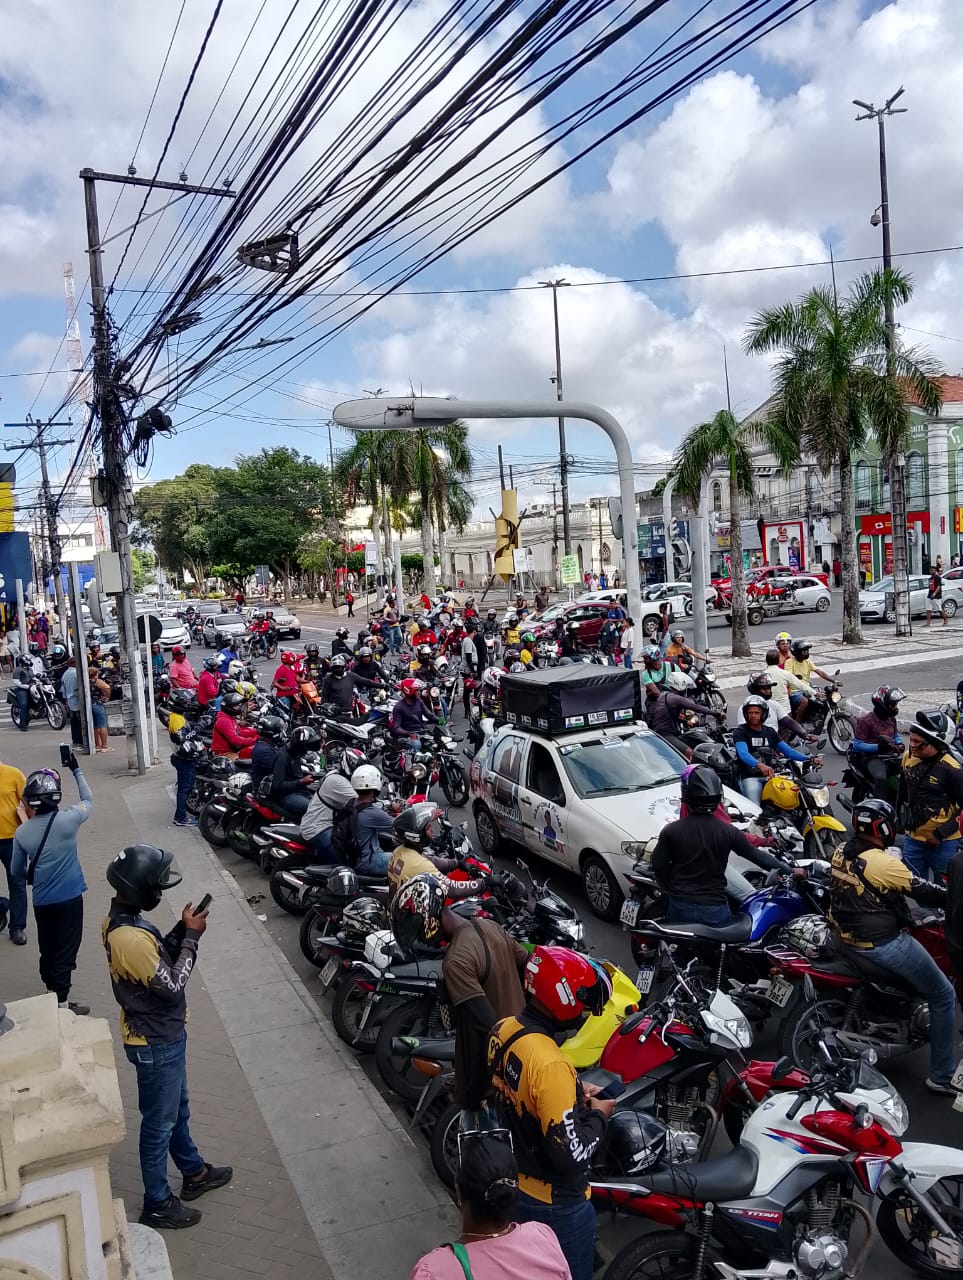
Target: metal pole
x,y
562,451
80,658
21,616
697,536
667,526
501,466
53,534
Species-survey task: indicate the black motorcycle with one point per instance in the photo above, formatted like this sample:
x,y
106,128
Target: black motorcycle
x,y
862,784
824,714
42,701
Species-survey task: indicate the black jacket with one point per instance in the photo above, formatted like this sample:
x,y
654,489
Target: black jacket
x,y
340,690
287,774
868,890
263,757
690,857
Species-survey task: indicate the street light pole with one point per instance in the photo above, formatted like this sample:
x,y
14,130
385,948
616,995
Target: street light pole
x,y
896,461
555,285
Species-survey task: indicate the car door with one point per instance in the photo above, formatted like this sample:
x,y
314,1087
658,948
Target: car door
x,y
918,588
501,784
543,803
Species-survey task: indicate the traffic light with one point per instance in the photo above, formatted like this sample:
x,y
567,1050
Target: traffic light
x,y
506,535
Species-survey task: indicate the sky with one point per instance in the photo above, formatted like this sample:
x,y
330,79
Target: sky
x,y
729,190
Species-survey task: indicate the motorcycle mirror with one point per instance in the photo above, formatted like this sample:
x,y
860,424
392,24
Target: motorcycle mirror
x,y
783,1069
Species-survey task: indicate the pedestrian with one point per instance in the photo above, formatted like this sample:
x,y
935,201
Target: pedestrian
x,y
392,627
99,695
594,585
541,599
491,1244
616,580
934,596
603,581
930,797
70,693
954,562
45,857
157,660
187,751
939,565
149,975
14,907
349,601
6,657
627,642
837,571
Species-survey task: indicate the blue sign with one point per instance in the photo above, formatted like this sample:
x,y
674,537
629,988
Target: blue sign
x,y
15,562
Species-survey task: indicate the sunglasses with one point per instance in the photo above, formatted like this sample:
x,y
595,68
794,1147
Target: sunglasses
x,y
499,1135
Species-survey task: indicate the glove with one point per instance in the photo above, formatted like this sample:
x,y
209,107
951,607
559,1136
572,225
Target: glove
x,y
72,764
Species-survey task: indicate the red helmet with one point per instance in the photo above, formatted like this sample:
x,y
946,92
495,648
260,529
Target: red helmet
x,y
375,628
411,688
569,986
288,659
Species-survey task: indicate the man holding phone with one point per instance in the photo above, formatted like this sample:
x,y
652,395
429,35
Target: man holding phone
x,y
149,973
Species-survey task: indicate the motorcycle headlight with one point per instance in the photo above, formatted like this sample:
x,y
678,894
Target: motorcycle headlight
x,y
572,929
709,677
834,697
735,1029
893,1106
820,797
417,770
433,691
635,849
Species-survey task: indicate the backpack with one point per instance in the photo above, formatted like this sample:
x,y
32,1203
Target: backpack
x,y
344,834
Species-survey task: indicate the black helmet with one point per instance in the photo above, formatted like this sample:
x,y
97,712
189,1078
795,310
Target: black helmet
x,y
416,912
42,790
800,649
701,789
342,633
875,819
342,882
57,653
33,649
363,916
304,739
163,684
140,874
633,1142
715,754
338,665
228,685
886,700
232,703
413,826
312,650
270,728
351,759
933,727
758,681
182,699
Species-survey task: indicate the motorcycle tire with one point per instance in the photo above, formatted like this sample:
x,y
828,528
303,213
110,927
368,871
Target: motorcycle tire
x,y
659,1255
905,1229
841,730
237,832
195,801
272,649
314,927
420,1017
285,895
211,826
349,1000
15,714
716,700
444,1144
802,1022
56,714
454,783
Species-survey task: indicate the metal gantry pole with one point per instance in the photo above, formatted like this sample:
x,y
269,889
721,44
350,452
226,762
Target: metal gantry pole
x,y
555,285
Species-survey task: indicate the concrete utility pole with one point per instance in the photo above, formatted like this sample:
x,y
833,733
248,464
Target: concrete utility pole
x,y
555,285
47,505
107,408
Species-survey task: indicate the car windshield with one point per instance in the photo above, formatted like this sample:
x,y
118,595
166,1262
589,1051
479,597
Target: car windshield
x,y
226,620
171,624
550,615
610,766
884,584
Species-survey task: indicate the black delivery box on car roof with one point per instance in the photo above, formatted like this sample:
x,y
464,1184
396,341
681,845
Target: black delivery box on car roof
x,y
559,700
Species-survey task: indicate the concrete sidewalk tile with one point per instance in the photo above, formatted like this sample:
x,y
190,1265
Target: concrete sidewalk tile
x,y
242,971
270,1006
286,1054
305,1116
403,1240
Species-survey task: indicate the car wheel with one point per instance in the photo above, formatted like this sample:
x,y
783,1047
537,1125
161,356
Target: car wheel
x,y
650,626
296,635
489,837
754,617
889,616
687,607
822,604
601,887
949,608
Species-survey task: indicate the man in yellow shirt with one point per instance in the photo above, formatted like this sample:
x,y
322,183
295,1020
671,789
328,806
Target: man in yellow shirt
x,y
803,668
14,907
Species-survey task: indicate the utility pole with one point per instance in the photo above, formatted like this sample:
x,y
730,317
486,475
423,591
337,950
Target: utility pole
x,y
48,508
555,285
896,461
501,466
107,408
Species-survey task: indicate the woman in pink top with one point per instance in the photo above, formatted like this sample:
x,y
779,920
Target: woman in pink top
x,y
491,1246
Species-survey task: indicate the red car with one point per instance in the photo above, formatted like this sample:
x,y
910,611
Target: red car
x,y
587,617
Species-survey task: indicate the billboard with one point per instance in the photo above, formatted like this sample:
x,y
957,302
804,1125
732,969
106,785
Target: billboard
x,y
15,562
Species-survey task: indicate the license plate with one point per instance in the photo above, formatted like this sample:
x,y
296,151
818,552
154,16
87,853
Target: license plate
x,y
780,992
646,978
329,971
629,913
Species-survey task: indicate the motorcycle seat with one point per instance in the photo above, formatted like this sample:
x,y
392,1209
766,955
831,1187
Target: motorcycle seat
x,y
284,830
738,931
442,1050
729,1177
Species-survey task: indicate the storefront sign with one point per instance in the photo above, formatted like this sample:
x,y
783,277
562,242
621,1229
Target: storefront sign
x,y
881,525
569,568
958,519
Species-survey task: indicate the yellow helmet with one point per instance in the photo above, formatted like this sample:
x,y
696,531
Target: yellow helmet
x,y
780,791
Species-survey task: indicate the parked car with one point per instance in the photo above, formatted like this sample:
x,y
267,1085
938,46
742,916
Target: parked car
x,y
225,624
174,632
808,593
588,801
771,571
873,603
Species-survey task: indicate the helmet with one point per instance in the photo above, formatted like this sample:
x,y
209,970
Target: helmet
x,y
311,650
758,681
410,688
416,912
33,649
413,826
367,778
212,662
351,760
528,638
567,985
441,664
783,636
163,684
304,739
338,665
715,754
289,659
182,699
269,614
342,882
511,655
271,728
42,790
809,935
363,916
633,1142
176,652
363,635
364,653
800,649
875,819
232,703
114,653
492,678
782,792
376,628
155,648
679,681
933,727
652,654
678,636
342,633
424,651
228,686
701,790
886,699
140,874
57,653
684,662
755,701
491,614
517,668
235,669
513,619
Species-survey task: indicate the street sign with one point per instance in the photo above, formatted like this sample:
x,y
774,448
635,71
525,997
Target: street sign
x,y
152,624
570,573
372,559
523,560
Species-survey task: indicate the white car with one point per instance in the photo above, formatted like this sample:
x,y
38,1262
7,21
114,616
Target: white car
x,y
589,801
810,593
174,632
873,600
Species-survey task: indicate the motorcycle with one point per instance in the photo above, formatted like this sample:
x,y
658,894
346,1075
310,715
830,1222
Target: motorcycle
x,y
707,690
797,792
824,714
213,773
42,703
861,783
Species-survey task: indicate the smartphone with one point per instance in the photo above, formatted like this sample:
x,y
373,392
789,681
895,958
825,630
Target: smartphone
x,y
65,754
204,903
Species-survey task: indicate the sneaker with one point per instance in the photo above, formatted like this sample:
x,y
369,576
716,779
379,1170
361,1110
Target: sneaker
x,y
212,1177
940,1086
3,918
185,822
169,1216
81,1010
18,937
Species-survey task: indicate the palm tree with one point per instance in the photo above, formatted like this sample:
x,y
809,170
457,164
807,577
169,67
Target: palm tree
x,y
725,440
427,463
836,379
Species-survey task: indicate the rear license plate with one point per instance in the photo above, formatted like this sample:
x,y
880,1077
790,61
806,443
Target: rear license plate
x,y
780,992
646,978
629,913
329,971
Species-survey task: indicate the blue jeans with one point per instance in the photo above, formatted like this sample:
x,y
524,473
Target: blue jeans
x,y
922,858
685,911
627,658
186,773
164,1116
17,904
373,863
573,1224
22,695
908,958
393,638
752,789
321,845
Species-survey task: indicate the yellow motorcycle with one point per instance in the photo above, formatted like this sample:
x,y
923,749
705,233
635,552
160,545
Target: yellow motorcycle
x,y
803,797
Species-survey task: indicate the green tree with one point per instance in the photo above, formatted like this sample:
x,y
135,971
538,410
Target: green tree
x,y
144,564
174,517
726,441
834,380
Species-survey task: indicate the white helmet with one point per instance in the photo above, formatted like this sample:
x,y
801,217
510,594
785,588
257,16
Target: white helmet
x,y
367,778
441,664
679,682
236,669
492,678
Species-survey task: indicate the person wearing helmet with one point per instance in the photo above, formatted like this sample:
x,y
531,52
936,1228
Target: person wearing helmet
x,y
289,779
180,703
227,651
340,686
312,664
691,856
188,749
782,642
44,856
367,665
333,797
409,715
760,683
655,670
784,683
490,623
511,632
930,796
868,886
149,974
340,645
556,1121
677,647
370,822
668,706
877,741
230,737
209,682
757,747
270,733
14,907
181,672
424,634
416,827
286,684
800,665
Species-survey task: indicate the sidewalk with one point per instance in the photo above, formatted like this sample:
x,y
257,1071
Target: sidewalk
x,y
327,1183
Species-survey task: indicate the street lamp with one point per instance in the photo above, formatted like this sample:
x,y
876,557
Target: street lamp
x,y
555,285
410,413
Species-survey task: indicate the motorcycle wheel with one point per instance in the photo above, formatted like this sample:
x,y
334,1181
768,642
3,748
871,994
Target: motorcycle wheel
x,y
660,1255
194,802
284,894
454,783
349,1001
444,1144
716,700
56,714
419,1017
211,826
841,729
314,928
906,1231
237,832
799,1028
15,713
272,649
